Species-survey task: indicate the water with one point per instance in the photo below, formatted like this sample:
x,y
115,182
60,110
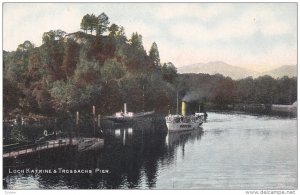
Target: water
x,y
231,151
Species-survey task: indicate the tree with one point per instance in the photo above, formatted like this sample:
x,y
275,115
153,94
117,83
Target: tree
x,y
154,55
136,41
224,92
11,96
121,34
244,90
84,25
102,24
113,29
53,35
265,87
35,70
169,72
26,46
89,22
70,58
112,70
53,52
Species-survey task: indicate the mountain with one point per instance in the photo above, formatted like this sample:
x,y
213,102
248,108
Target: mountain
x,y
235,72
286,70
218,67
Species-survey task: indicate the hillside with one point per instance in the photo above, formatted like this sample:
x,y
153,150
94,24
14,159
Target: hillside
x,y
236,72
286,70
218,67
98,66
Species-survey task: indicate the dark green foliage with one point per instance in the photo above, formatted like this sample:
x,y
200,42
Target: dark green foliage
x,y
113,29
89,23
92,23
154,55
17,136
53,53
169,72
70,58
73,72
221,90
102,24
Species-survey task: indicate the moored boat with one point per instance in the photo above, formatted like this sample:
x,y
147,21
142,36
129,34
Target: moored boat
x,y
125,116
183,122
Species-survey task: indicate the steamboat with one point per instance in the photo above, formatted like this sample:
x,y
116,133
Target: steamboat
x,y
184,122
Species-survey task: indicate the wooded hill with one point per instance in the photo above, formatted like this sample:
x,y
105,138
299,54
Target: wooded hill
x,y
101,66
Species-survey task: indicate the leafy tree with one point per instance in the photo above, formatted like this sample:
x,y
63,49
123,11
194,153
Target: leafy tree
x,y
224,92
112,70
136,41
120,36
89,22
11,96
52,36
169,72
17,135
102,24
26,46
70,58
244,90
137,58
65,74
53,53
113,30
43,100
265,87
35,71
286,92
84,25
154,55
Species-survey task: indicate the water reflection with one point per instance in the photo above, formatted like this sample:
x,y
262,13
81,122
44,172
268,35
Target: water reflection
x,y
130,154
181,137
230,152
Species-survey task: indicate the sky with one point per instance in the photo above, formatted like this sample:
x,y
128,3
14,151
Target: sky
x,y
256,36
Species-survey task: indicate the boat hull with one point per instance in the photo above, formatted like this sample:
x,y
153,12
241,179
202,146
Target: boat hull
x,y
125,119
183,126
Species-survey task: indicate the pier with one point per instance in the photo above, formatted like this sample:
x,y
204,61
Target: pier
x,y
34,148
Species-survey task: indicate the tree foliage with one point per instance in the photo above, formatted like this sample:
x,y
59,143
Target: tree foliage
x,y
154,55
76,71
92,23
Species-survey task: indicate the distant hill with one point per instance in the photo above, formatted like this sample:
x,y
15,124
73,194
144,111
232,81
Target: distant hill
x,y
218,67
286,70
235,72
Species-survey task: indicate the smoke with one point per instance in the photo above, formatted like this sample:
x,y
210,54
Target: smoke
x,y
196,95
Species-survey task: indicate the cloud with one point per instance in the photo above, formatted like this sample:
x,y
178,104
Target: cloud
x,y
202,11
29,21
245,24
186,33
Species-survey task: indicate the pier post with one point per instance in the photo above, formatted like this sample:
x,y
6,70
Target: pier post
x,y
99,122
143,99
77,123
94,113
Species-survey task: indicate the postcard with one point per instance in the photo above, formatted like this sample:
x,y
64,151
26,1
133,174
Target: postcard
x,y
140,96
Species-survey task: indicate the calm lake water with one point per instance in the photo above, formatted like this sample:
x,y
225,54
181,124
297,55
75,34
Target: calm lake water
x,y
230,151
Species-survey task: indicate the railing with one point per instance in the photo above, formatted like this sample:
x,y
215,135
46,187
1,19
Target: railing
x,y
31,148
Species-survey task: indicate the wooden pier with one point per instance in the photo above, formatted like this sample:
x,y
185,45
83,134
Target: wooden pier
x,y
30,149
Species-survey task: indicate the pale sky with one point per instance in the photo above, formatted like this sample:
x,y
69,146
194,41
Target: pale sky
x,y
257,36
